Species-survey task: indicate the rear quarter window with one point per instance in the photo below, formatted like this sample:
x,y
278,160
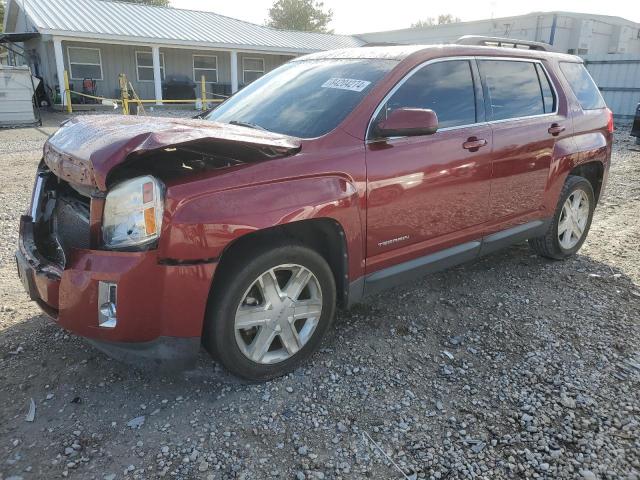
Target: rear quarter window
x,y
583,86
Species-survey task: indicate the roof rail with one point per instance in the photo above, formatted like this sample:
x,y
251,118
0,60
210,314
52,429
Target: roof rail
x,y
503,42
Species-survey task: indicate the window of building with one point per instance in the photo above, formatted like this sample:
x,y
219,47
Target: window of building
x,y
513,88
252,69
582,85
206,65
84,63
144,66
444,87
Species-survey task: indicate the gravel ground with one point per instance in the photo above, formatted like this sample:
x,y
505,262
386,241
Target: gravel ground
x,y
509,367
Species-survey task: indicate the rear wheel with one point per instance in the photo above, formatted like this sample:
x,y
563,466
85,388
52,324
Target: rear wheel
x,y
571,222
270,312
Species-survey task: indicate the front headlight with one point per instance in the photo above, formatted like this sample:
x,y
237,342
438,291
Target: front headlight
x,y
133,213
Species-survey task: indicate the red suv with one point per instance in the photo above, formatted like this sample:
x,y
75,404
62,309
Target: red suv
x,y
335,176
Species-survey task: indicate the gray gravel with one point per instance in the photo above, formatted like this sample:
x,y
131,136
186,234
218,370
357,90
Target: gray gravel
x,y
509,367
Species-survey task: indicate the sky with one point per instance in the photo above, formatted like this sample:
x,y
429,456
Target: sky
x,y
359,16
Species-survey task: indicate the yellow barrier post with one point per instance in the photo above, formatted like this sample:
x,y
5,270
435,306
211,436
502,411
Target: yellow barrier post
x,y
67,92
125,93
203,89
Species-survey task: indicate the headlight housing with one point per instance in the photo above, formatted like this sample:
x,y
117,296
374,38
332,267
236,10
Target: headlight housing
x,y
133,213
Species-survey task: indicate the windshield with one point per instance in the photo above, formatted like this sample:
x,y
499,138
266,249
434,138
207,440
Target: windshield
x,y
305,99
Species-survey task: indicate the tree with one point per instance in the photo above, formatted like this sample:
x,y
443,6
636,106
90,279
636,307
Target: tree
x,y
431,21
153,3
448,18
1,14
302,15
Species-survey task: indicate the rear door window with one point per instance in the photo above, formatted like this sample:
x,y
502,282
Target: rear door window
x,y
445,87
513,89
582,85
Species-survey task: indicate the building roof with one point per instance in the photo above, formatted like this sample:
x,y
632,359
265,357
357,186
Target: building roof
x,y
104,20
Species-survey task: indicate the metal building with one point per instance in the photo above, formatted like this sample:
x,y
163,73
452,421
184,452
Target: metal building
x,y
568,32
618,78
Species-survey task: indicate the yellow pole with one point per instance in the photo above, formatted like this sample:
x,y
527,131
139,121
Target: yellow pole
x,y
125,94
203,89
67,92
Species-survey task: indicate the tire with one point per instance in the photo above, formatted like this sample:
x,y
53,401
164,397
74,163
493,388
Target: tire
x,y
238,290
550,244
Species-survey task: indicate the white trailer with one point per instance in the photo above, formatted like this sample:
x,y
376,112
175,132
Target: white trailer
x,y
17,88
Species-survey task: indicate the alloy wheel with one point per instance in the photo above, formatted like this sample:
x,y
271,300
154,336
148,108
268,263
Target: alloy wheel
x,y
278,314
573,219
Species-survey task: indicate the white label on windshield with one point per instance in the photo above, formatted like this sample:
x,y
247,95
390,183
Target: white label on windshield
x,y
346,84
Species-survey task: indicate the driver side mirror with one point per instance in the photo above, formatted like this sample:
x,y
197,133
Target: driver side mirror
x,y
407,122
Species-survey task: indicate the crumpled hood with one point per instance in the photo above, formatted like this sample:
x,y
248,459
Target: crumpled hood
x,y
86,148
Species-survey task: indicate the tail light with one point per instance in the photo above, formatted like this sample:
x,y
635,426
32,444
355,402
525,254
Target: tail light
x,y
610,121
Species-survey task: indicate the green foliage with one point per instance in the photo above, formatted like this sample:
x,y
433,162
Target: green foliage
x,y
154,3
1,13
303,15
431,21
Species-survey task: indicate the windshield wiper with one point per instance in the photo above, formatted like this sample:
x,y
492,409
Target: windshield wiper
x,y
246,124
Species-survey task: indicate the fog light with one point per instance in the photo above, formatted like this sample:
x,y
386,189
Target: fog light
x,y
107,300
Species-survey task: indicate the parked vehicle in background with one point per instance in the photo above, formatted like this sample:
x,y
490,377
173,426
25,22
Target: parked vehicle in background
x,y
18,107
635,128
332,177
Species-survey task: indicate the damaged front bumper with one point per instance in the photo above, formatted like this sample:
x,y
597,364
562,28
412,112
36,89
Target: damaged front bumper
x,y
158,312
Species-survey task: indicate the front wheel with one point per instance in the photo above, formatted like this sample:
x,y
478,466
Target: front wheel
x,y
270,312
571,222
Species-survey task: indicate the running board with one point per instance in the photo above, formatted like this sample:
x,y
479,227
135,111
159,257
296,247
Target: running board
x,y
413,269
499,240
449,257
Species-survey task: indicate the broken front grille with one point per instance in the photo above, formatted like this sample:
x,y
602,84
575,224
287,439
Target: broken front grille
x,y
61,220
71,223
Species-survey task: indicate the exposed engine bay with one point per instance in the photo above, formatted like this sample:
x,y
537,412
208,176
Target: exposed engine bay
x,y
172,162
61,216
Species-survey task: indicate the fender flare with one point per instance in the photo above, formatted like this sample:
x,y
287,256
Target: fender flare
x,y
572,152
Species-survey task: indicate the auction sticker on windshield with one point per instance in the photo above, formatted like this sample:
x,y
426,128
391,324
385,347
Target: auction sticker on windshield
x,y
346,84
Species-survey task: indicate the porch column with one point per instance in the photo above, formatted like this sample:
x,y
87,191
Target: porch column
x,y
57,51
157,77
234,71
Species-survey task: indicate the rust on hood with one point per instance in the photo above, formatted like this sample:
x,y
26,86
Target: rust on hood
x,y
86,148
